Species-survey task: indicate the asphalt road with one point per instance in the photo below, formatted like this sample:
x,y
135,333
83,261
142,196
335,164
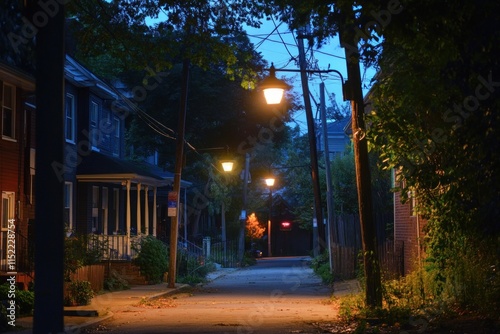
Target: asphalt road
x,y
278,295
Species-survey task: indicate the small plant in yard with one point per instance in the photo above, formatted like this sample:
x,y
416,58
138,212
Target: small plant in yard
x,y
79,293
192,270
25,301
115,282
321,266
152,258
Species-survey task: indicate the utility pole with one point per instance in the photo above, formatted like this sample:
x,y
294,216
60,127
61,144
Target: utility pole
x,y
179,154
349,42
49,226
330,207
313,150
243,215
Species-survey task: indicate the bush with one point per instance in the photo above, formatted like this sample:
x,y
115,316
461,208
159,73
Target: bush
x,y
79,293
77,252
152,258
321,266
25,300
115,282
191,270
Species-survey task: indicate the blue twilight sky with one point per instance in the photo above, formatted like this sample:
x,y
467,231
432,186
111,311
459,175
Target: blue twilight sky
x,y
279,46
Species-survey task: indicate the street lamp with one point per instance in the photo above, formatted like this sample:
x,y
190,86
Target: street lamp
x,y
271,86
270,184
227,165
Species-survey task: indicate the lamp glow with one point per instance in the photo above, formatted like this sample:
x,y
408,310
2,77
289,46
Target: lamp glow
x,y
270,182
273,88
273,95
227,166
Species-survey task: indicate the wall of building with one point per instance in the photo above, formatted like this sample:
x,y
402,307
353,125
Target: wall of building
x,y
408,228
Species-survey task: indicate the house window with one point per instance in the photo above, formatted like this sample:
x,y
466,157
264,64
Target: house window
x,y
94,115
116,139
412,201
94,122
105,210
69,126
68,205
95,208
8,111
7,214
116,208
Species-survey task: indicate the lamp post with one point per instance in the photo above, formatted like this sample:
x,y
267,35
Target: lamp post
x,y
243,215
351,90
273,91
227,166
270,184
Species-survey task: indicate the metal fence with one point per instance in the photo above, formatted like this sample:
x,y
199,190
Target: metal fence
x,y
224,253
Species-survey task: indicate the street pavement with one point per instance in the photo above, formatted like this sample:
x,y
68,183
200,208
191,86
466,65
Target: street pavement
x,y
103,306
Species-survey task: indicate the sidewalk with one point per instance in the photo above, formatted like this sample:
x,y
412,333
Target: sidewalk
x,y
103,305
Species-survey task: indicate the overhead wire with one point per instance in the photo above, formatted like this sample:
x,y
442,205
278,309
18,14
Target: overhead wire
x,y
281,38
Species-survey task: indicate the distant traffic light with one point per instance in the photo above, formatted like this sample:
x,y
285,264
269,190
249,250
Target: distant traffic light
x,y
286,226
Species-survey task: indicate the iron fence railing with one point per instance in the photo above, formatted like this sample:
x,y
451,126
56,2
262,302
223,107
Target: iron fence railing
x,y
224,253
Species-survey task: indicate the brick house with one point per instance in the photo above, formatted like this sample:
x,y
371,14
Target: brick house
x,y
105,195
16,170
408,228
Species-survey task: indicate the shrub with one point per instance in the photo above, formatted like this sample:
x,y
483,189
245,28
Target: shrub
x,y
152,258
115,282
25,300
321,266
79,292
77,252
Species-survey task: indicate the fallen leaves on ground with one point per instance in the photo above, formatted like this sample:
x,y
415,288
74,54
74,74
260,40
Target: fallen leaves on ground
x,y
157,303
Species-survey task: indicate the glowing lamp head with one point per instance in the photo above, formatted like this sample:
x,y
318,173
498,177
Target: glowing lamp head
x,y
227,165
270,182
273,88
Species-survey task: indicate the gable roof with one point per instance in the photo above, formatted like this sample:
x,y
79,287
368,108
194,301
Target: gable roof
x,y
80,76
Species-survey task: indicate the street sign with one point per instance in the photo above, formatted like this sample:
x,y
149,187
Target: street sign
x,y
172,203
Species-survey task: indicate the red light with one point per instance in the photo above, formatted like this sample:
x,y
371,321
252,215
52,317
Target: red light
x,y
286,226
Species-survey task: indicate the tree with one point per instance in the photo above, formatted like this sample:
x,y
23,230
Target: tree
x,y
157,34
254,229
435,121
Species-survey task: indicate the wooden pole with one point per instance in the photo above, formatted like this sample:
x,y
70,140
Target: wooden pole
x,y
174,225
363,179
319,246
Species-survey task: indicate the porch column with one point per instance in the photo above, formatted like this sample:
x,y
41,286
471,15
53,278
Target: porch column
x,y
155,211
146,210
139,209
128,217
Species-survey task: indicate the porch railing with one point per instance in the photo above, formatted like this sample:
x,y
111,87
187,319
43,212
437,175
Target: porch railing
x,y
113,247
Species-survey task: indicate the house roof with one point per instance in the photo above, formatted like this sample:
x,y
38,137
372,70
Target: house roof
x,y
341,126
16,77
97,167
80,76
